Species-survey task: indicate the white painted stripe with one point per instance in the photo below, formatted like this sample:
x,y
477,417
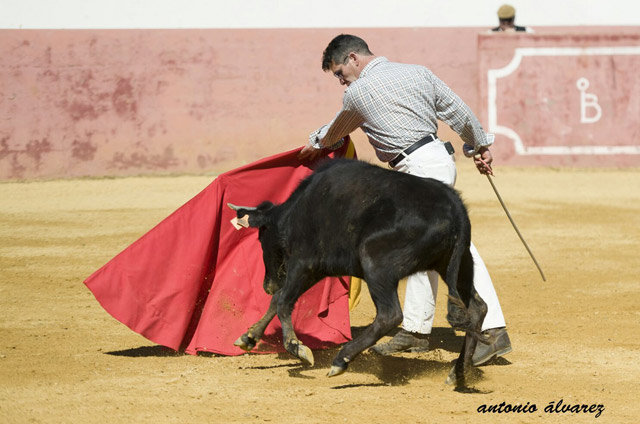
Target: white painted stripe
x,y
583,150
115,14
494,74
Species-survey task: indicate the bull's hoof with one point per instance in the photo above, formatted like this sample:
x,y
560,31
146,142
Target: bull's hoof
x,y
305,354
338,367
452,380
245,343
335,371
300,351
460,385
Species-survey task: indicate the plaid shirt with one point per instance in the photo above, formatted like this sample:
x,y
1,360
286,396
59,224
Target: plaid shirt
x,y
396,105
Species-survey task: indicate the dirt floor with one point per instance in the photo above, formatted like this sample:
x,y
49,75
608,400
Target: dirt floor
x,y
63,359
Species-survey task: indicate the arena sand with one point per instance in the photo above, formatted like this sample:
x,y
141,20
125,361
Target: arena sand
x,y
63,359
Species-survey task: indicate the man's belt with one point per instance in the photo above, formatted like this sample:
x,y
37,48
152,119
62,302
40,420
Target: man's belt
x,y
415,146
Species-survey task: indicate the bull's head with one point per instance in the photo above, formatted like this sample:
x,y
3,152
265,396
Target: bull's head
x,y
264,217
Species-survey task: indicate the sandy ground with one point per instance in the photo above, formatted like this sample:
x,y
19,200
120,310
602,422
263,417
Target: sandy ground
x,y
63,359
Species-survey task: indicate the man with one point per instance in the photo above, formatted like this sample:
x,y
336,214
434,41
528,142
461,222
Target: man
x,y
397,106
507,20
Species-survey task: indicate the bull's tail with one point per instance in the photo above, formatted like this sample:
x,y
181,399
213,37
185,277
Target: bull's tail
x,y
459,278
458,314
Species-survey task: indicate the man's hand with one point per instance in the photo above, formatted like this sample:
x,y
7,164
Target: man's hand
x,y
483,161
309,152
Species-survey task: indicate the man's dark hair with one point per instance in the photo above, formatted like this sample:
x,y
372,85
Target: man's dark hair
x,y
340,47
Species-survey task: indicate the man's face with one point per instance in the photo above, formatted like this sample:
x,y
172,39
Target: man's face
x,y
507,24
346,72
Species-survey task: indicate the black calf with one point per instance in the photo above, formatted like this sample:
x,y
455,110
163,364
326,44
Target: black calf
x,y
353,218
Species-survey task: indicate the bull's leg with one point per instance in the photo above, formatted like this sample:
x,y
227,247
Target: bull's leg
x,y
250,339
296,284
457,374
466,312
389,316
477,311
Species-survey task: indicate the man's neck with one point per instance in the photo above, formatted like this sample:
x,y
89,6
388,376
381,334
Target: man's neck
x,y
365,60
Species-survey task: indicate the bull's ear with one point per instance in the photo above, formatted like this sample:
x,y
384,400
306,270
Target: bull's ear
x,y
250,216
254,219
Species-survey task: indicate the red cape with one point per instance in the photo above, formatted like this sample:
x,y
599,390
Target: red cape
x,y
194,282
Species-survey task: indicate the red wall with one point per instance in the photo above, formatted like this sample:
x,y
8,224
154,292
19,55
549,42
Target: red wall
x,y
562,99
125,102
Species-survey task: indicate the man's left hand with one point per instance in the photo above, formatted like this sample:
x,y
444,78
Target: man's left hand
x,y
309,152
483,161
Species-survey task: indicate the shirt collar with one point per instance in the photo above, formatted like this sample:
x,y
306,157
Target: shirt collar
x,y
372,64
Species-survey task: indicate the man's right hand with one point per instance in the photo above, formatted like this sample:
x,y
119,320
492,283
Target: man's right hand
x,y
483,160
309,152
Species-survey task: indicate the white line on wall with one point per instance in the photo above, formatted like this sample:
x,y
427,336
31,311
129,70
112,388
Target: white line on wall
x,y
494,74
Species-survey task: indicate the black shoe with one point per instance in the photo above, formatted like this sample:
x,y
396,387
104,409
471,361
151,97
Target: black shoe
x,y
403,341
500,347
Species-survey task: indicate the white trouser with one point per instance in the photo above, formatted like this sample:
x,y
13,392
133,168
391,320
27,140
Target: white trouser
x,y
433,161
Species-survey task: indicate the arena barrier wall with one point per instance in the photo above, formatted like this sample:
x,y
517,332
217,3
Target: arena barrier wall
x,y
127,102
562,99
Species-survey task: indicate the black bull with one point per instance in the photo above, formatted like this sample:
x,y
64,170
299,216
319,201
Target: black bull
x,y
353,218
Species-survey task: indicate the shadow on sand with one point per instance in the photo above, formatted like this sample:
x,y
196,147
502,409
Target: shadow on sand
x,y
146,352
394,370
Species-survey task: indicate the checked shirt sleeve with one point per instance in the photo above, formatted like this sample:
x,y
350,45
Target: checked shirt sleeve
x,y
454,112
330,136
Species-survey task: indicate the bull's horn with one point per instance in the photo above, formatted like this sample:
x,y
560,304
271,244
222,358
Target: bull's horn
x,y
247,208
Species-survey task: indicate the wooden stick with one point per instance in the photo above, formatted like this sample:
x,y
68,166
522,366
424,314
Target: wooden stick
x,y
516,227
